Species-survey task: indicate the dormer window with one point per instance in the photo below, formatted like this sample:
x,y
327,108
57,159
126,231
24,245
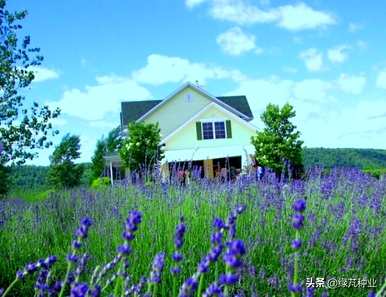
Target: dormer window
x,y
214,129
219,128
207,130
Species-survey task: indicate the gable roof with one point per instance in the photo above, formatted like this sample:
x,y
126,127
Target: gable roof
x,y
239,103
137,110
133,110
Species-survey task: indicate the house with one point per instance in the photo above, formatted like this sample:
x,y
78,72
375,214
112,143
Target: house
x,y
208,132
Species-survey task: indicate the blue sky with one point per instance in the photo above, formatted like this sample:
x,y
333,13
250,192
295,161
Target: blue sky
x,y
327,58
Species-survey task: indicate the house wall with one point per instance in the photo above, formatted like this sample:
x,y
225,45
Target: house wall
x,y
178,110
186,138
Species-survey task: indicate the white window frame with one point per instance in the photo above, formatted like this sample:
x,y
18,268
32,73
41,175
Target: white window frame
x,y
212,121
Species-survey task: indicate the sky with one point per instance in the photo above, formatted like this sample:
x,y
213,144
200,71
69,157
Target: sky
x,y
326,58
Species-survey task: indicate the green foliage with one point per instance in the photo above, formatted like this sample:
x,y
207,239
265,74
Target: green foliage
x,y
63,172
141,149
4,180
28,177
23,127
279,140
344,157
376,172
105,146
100,182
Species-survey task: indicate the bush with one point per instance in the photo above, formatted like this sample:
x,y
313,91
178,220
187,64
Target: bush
x,y
100,182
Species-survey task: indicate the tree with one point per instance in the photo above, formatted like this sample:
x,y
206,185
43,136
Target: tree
x,y
105,146
63,172
24,126
141,150
278,144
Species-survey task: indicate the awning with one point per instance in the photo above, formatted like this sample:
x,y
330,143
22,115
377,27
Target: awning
x,y
208,153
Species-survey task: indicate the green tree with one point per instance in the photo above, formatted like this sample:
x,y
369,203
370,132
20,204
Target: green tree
x,y
63,172
279,142
105,146
24,125
141,150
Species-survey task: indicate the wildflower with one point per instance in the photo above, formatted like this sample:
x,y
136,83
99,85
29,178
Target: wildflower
x,y
79,290
229,279
299,205
178,242
158,265
296,244
297,221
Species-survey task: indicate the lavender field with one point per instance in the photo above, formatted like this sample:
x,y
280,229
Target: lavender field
x,y
249,238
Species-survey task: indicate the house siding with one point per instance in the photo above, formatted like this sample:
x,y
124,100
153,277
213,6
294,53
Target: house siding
x,y
178,110
186,138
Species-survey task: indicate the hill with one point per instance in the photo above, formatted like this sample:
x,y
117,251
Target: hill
x,y
344,157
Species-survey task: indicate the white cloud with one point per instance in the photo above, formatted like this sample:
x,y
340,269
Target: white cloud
x,y
235,42
240,12
338,54
95,101
323,115
353,84
193,3
381,79
302,17
291,17
43,73
164,69
313,59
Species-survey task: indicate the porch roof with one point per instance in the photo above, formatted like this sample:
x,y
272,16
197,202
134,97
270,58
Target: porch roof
x,y
206,153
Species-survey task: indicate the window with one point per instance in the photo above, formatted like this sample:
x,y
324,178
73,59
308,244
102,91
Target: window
x,y
219,128
213,129
207,130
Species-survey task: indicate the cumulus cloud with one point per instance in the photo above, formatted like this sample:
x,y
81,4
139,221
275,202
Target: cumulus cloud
x,y
313,59
295,17
353,84
165,69
338,54
43,73
235,42
322,116
381,79
95,101
302,17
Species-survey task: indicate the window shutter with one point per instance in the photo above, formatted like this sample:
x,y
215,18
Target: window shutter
x,y
199,130
229,128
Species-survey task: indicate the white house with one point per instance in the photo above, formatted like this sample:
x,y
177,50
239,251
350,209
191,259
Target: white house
x,y
196,127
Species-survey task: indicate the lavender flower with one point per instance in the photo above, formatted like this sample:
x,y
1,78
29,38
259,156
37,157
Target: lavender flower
x,y
79,290
158,265
178,242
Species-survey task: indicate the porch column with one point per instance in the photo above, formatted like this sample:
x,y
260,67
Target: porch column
x,y
208,168
111,174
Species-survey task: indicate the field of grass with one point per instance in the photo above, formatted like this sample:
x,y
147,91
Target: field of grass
x,y
344,234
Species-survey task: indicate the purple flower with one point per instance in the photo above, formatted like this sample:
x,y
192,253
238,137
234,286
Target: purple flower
x,y
157,267
229,279
124,249
297,221
177,256
79,290
296,244
299,205
218,223
179,234
72,257
296,288
213,290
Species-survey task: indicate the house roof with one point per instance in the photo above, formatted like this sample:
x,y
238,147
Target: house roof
x,y
133,110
